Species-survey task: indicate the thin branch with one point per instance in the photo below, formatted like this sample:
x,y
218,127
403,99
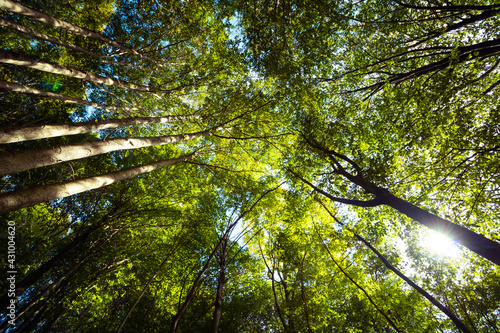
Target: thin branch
x,y
382,312
359,203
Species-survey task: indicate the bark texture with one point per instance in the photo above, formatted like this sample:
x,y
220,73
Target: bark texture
x,y
214,327
19,134
19,59
17,8
38,35
33,91
30,197
477,243
31,159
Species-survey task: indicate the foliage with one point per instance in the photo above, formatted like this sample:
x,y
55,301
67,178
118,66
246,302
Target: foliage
x,y
404,93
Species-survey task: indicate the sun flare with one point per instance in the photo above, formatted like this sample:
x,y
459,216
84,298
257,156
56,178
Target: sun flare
x,y
439,244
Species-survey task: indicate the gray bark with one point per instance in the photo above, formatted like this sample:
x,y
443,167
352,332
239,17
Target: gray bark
x,y
17,8
19,59
33,91
29,197
31,159
38,35
19,134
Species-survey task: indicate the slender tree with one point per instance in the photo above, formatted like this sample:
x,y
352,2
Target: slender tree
x,y
28,197
420,119
477,243
14,87
421,291
452,57
26,160
178,245
182,309
17,8
15,58
214,327
40,36
370,299
19,134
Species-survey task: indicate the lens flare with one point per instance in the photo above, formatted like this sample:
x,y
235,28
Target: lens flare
x,y
439,245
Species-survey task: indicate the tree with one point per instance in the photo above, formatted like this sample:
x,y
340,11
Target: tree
x,y
240,115
481,245
48,131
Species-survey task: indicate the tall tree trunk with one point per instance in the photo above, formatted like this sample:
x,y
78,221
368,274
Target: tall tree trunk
x,y
60,282
31,159
270,275
304,301
283,278
17,8
482,50
421,291
194,286
32,91
189,298
276,302
381,311
477,243
38,273
172,251
19,134
56,315
29,197
415,286
38,35
19,59
214,328
35,275
56,285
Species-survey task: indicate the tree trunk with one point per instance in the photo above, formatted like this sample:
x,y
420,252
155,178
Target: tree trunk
x,y
19,59
190,296
32,91
62,280
382,312
214,328
38,273
35,275
31,159
29,197
415,286
421,291
481,50
19,134
17,8
38,35
276,303
158,270
477,243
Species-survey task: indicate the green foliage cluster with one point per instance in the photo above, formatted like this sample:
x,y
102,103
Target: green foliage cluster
x,y
299,100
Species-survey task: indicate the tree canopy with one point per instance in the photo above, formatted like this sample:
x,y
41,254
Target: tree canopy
x,y
250,166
